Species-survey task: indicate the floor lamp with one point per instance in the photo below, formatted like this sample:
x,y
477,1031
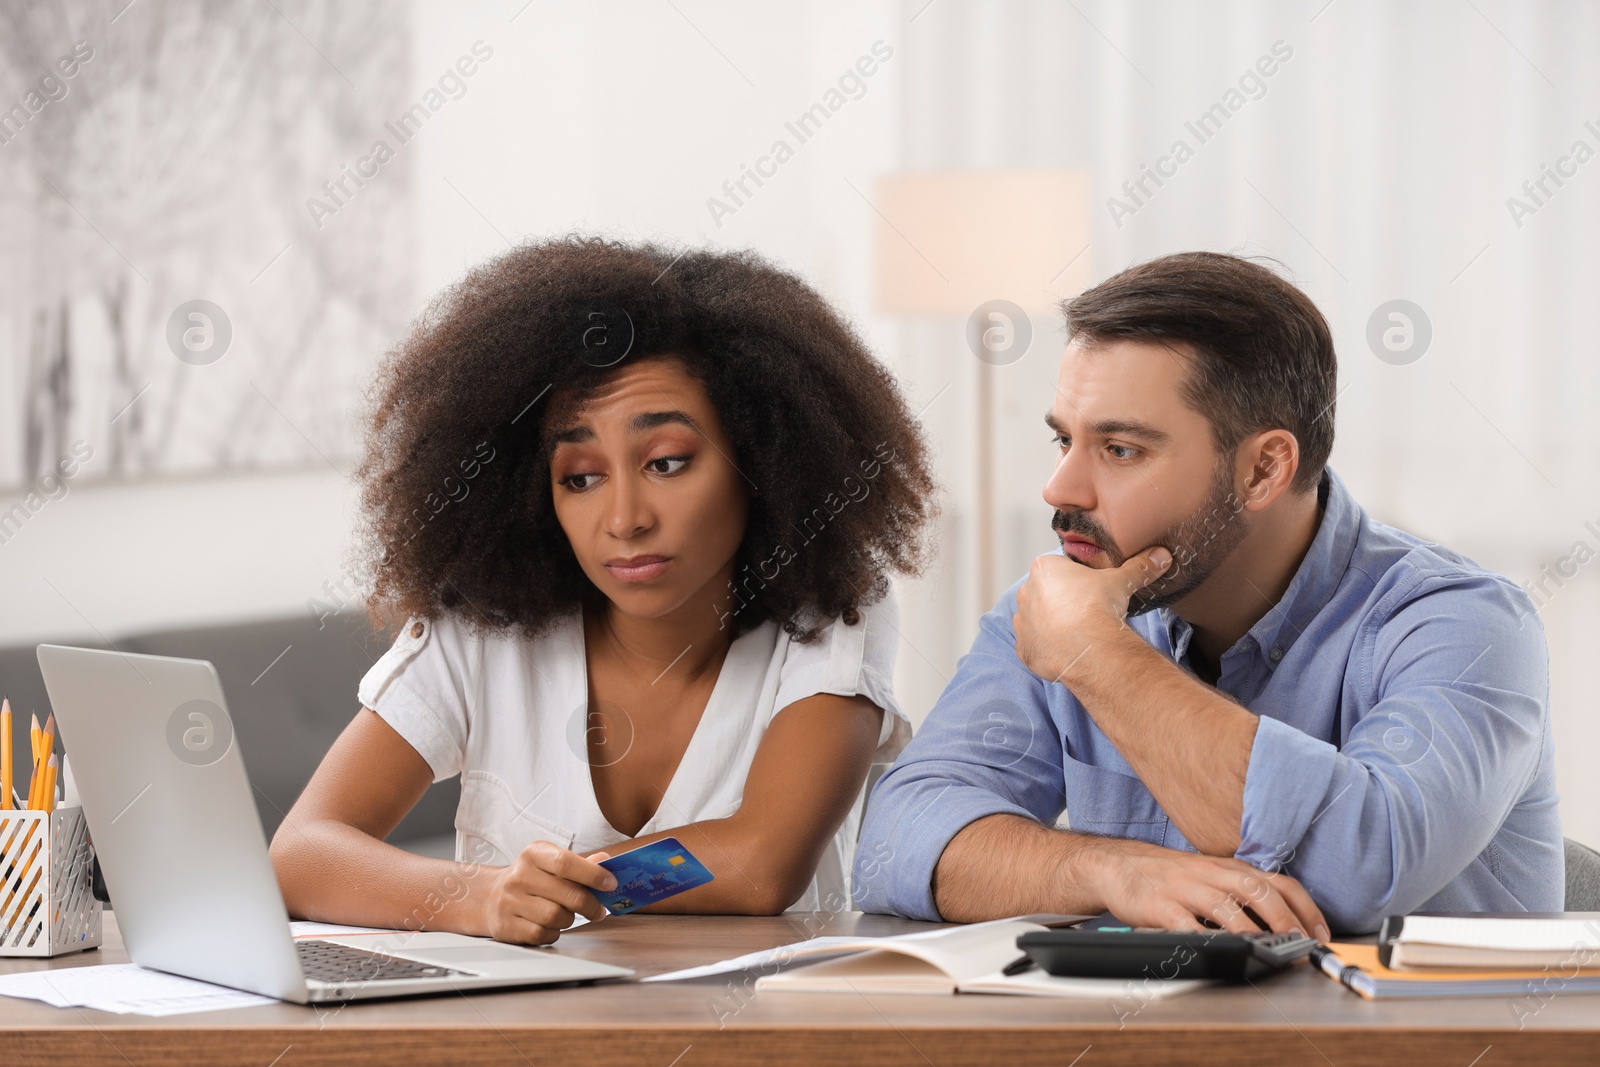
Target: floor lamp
x,y
991,253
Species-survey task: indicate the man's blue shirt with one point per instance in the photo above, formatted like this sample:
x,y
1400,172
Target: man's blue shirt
x,y
1403,760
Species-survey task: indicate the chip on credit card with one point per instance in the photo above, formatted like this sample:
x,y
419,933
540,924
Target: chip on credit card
x,y
650,873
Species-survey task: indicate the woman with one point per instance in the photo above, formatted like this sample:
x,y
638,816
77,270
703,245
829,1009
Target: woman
x,y
636,511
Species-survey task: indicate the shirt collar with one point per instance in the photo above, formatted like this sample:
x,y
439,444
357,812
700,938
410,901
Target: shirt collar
x,y
1312,586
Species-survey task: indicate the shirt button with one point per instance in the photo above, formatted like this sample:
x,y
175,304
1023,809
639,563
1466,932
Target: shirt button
x,y
416,629
1276,654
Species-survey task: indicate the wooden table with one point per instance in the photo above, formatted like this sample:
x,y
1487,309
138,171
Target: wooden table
x,y
1295,1018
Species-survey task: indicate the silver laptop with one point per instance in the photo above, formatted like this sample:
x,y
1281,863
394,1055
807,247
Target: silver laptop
x,y
170,811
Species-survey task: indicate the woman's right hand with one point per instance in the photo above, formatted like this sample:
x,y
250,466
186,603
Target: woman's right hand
x,y
537,896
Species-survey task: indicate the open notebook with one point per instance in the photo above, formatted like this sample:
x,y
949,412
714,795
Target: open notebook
x,y
961,959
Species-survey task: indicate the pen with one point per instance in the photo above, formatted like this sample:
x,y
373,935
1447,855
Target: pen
x,y
1022,963
1329,964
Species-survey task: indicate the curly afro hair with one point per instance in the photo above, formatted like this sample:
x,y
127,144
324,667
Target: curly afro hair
x,y
456,491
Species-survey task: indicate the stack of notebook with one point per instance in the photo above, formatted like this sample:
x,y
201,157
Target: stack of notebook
x,y
1442,956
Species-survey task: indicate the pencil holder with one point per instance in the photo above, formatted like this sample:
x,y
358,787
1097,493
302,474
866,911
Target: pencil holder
x,y
46,905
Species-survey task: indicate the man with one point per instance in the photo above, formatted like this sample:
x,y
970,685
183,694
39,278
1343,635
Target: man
x,y
1253,701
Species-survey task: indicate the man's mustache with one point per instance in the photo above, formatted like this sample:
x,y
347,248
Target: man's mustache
x,y
1078,523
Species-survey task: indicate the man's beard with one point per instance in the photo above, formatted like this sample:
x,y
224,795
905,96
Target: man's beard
x,y
1199,544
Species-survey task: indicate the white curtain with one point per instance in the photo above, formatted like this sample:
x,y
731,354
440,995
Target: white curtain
x,y
1376,163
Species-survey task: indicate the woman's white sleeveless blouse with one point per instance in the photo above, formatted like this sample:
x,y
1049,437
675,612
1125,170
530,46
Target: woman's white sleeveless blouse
x,y
510,715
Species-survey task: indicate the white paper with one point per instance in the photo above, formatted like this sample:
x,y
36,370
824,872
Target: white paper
x,y
754,959
300,929
307,928
125,989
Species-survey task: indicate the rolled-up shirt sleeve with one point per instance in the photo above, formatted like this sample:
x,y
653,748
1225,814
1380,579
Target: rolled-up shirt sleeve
x,y
988,747
1456,720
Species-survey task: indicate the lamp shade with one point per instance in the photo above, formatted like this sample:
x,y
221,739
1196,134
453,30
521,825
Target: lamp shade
x,y
947,241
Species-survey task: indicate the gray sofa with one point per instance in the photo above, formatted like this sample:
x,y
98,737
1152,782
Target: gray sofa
x,y
284,720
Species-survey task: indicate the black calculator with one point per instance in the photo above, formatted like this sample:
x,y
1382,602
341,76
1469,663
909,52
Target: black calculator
x,y
1145,953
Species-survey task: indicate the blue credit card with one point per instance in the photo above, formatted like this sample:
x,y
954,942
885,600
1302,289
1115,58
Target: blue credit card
x,y
650,873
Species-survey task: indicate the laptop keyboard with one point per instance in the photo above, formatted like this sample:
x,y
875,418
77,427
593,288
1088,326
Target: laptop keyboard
x,y
329,961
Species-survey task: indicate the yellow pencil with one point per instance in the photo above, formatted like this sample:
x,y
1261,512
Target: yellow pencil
x,y
33,736
47,755
5,755
50,784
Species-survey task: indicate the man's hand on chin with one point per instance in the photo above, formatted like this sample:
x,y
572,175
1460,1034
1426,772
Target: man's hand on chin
x,y
1147,885
1065,605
